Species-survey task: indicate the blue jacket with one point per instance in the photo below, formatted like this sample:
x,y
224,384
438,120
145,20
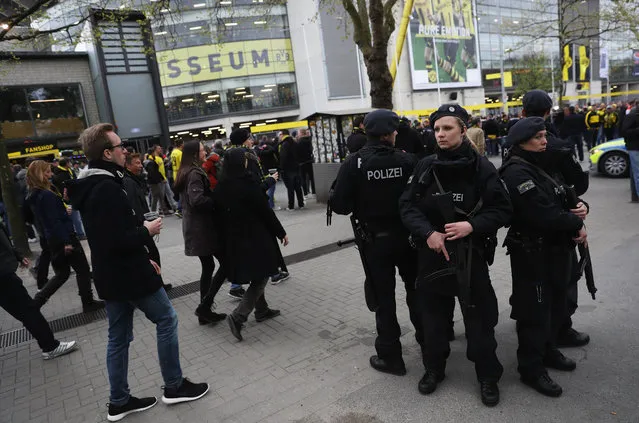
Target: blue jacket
x,y
51,214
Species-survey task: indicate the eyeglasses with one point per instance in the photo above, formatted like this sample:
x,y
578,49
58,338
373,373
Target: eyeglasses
x,y
113,147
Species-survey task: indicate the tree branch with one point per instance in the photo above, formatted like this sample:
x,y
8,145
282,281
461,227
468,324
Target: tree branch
x,y
13,21
361,34
35,33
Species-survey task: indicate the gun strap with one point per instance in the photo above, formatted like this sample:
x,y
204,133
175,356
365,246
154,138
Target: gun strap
x,y
475,209
540,170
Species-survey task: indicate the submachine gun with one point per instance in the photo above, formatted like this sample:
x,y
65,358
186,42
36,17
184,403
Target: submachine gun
x,y
460,254
585,263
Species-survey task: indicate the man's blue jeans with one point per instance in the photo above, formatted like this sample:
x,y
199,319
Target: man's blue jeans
x,y
77,223
157,309
634,164
271,196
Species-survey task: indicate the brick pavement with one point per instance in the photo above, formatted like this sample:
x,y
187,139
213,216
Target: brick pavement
x,y
311,364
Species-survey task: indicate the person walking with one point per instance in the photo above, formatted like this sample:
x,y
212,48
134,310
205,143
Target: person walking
x,y
476,136
124,276
249,225
306,159
15,300
66,251
61,174
479,206
571,129
289,165
136,190
269,162
200,235
176,161
156,184
630,133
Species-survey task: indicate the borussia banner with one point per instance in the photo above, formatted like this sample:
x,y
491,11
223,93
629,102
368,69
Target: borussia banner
x,y
443,42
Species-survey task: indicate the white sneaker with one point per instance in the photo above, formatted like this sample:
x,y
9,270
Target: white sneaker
x,y
277,208
63,349
33,240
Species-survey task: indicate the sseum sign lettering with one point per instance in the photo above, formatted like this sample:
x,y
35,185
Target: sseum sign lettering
x,y
230,60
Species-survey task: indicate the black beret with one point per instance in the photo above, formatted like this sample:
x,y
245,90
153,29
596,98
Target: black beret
x,y
454,110
525,129
537,101
239,136
381,122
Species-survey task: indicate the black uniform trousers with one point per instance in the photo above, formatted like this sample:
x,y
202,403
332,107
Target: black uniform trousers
x,y
480,322
306,171
538,302
383,254
17,302
62,264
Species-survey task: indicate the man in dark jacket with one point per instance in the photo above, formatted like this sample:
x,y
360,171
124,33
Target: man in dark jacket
x,y
136,190
357,139
630,133
269,161
408,139
306,159
15,300
62,173
573,126
290,167
124,276
491,129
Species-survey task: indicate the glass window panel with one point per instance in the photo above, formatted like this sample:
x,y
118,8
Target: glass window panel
x,y
56,110
15,120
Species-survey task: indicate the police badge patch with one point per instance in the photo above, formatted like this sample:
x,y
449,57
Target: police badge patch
x,y
526,186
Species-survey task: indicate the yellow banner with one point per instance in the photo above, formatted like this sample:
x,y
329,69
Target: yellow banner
x,y
230,60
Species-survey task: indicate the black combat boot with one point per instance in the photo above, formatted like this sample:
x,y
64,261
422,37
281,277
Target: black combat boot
x,y
554,359
543,384
428,383
572,338
489,393
206,315
397,368
92,305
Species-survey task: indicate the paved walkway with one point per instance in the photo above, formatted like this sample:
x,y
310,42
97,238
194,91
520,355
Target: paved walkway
x,y
311,364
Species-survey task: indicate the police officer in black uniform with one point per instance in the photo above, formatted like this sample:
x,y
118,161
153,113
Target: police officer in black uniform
x,y
482,206
542,235
564,167
368,185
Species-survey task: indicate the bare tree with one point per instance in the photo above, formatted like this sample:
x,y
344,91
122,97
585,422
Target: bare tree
x,y
373,22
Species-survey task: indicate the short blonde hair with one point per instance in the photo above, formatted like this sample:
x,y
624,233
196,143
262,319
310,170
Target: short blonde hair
x,y
94,140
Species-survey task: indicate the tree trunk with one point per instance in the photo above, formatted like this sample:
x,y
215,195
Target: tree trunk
x,y
18,233
381,80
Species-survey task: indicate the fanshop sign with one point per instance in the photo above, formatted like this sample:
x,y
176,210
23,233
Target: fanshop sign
x,y
230,60
37,148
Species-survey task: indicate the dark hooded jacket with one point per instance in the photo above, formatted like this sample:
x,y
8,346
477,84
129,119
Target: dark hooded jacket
x,y
408,140
121,267
52,217
246,223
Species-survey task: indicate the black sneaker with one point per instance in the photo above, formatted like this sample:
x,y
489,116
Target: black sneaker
x,y
135,405
268,314
188,391
167,287
237,293
279,278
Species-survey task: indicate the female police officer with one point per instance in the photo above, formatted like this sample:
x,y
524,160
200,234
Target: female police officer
x,y
539,242
453,206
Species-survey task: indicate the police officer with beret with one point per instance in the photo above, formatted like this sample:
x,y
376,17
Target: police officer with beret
x,y
479,207
368,185
540,239
564,167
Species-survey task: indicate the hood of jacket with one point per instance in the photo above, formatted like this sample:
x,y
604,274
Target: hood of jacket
x,y
80,189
